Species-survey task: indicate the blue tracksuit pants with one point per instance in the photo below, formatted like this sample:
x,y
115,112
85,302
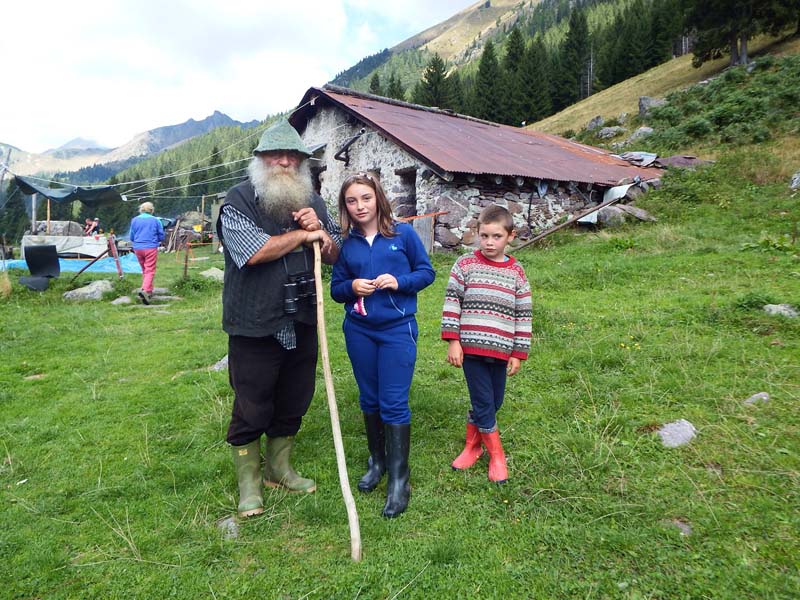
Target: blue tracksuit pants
x,y
383,365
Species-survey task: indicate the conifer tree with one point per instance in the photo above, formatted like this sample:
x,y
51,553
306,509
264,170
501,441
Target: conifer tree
x,y
574,54
197,185
217,173
456,92
375,85
728,25
636,36
14,218
487,96
433,89
395,89
534,80
514,100
666,25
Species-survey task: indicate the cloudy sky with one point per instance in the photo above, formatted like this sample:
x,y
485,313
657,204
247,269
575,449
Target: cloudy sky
x,y
109,69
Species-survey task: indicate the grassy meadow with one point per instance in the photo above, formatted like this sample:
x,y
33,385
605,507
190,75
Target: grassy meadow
x,y
115,472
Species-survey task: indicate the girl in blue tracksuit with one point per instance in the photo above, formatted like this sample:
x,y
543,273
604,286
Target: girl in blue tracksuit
x,y
381,267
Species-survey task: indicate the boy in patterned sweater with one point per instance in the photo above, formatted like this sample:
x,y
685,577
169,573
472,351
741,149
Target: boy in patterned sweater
x,y
486,321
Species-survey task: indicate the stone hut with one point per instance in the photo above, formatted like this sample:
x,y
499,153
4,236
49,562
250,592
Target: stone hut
x,y
433,161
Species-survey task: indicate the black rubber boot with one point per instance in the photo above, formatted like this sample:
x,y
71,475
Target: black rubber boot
x,y
376,442
398,490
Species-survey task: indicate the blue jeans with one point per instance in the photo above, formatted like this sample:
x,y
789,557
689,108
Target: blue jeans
x,y
486,382
383,365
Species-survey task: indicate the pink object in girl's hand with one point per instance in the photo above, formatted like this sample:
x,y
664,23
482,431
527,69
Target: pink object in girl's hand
x,y
360,307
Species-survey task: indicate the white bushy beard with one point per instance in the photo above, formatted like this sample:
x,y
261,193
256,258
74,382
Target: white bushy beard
x,y
281,191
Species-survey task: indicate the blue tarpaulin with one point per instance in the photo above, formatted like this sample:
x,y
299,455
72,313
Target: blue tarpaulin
x,y
104,265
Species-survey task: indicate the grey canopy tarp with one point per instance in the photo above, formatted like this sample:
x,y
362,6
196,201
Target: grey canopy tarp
x,y
90,196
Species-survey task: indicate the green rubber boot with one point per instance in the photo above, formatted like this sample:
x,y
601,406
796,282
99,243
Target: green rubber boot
x,y
278,471
248,462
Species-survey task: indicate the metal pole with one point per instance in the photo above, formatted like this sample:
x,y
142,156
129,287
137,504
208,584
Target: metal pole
x,y
34,198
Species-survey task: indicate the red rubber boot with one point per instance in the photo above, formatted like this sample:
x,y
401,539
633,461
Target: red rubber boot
x,y
472,449
497,458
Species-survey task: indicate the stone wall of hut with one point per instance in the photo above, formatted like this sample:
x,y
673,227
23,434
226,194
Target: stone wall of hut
x,y
414,189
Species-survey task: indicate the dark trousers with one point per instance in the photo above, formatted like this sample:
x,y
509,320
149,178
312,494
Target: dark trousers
x,y
272,386
486,381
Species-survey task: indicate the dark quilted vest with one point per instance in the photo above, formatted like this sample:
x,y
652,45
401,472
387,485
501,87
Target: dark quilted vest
x,y
253,296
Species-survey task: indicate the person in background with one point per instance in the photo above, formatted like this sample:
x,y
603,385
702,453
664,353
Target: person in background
x,y
486,321
91,226
147,233
382,267
266,227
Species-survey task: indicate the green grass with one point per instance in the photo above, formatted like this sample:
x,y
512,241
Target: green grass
x,y
115,471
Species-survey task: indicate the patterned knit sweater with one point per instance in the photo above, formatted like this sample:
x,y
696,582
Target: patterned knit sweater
x,y
487,306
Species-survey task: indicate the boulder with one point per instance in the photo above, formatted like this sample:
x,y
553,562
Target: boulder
x,y
640,133
677,433
638,213
646,103
783,310
611,216
213,273
609,132
759,398
595,123
93,291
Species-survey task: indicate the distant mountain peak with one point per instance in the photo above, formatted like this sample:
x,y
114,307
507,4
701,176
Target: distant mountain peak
x,y
79,143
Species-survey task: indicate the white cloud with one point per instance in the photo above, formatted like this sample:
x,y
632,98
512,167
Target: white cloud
x,y
107,70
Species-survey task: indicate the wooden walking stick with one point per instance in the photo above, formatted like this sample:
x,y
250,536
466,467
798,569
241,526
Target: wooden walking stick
x,y
352,514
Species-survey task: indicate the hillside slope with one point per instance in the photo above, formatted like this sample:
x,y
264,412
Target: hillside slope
x,y
671,76
452,38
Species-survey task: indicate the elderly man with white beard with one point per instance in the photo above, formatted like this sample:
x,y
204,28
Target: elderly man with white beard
x,y
266,226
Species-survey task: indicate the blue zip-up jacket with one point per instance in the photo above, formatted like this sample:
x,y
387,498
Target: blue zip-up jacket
x,y
146,232
402,256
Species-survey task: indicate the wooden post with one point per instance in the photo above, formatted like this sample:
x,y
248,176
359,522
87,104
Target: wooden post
x,y
344,482
186,260
215,205
47,229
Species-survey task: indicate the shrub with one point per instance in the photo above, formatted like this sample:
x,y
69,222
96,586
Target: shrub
x,y
769,243
735,75
196,283
753,301
697,127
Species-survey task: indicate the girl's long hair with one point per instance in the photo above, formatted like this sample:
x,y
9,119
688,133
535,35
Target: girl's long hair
x,y
384,209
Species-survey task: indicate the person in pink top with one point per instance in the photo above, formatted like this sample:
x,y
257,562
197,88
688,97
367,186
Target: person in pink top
x,y
486,321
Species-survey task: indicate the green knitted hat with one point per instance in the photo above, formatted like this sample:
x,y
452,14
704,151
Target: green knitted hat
x,y
281,136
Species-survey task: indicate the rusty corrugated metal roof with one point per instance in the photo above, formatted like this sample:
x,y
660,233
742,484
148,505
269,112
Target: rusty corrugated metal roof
x,y
457,144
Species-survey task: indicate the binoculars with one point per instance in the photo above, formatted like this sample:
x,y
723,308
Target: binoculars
x,y
299,288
